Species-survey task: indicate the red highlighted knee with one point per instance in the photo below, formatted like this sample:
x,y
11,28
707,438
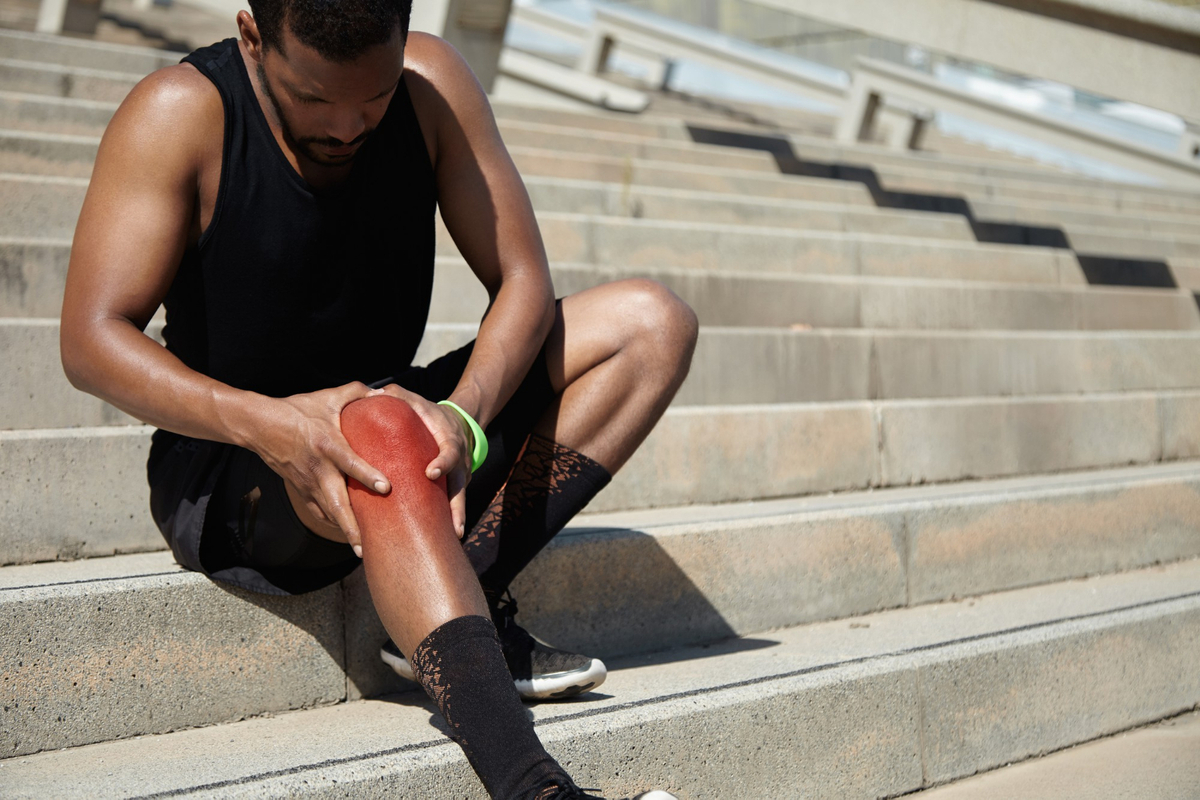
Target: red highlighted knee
x,y
388,435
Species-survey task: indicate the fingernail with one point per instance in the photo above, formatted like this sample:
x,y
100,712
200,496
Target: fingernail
x,y
358,550
381,487
435,474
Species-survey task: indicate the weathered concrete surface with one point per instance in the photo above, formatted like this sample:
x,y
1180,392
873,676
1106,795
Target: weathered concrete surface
x,y
73,493
46,207
78,492
550,163
1005,703
993,542
35,77
70,52
1154,763
34,391
647,125
925,441
690,205
38,112
33,153
703,246
573,140
99,660
713,454
1133,221
749,366
836,709
33,273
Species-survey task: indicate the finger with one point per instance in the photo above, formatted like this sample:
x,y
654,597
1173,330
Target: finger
x,y
337,504
315,509
353,466
456,488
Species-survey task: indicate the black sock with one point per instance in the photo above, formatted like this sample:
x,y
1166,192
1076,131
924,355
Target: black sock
x,y
461,668
548,485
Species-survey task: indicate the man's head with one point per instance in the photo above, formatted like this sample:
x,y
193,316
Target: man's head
x,y
328,67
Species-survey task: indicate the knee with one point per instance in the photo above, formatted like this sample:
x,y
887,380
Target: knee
x,y
660,320
387,433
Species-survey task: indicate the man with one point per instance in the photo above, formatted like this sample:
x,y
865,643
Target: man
x,y
277,194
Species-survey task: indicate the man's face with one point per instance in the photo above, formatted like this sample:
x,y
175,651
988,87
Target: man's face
x,y
328,109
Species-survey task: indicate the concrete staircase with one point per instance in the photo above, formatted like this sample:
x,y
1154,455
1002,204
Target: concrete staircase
x,y
924,507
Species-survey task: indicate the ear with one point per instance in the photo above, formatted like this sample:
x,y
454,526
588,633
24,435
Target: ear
x,y
248,29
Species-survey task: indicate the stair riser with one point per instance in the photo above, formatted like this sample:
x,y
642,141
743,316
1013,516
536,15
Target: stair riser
x,y
1018,192
98,662
32,278
77,481
1130,221
862,730
567,141
54,115
685,584
77,84
644,203
549,163
732,368
645,244
50,209
29,155
40,208
85,54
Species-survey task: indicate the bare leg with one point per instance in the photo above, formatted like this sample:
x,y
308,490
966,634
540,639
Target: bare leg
x,y
616,354
416,569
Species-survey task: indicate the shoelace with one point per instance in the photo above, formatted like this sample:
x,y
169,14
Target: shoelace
x,y
503,610
569,791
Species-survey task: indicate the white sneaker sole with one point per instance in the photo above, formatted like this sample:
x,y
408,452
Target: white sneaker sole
x,y
555,686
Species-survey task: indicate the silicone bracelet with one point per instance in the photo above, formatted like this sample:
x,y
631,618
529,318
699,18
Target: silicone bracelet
x,y
479,454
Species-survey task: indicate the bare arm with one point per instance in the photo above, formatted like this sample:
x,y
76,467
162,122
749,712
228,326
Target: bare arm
x,y
141,210
487,210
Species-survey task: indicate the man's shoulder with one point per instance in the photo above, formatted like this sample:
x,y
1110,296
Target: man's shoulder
x,y
179,92
445,92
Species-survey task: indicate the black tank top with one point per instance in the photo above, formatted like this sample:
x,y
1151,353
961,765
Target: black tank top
x,y
292,289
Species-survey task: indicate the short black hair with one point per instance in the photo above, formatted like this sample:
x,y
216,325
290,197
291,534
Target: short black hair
x,y
340,30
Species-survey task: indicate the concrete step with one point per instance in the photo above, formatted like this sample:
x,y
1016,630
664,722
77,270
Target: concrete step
x,y
32,274
1157,762
887,704
1133,221
67,155
63,488
665,126
689,205
65,51
61,155
48,207
53,80
608,241
39,113
742,366
1187,273
613,145
1017,192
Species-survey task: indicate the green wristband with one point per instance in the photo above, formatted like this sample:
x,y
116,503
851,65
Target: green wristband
x,y
479,454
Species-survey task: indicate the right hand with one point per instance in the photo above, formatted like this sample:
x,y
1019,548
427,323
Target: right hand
x,y
301,440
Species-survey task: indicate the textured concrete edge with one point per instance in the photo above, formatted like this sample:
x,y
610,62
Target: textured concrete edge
x,y
445,768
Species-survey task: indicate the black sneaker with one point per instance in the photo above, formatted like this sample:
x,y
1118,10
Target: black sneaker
x,y
540,672
573,792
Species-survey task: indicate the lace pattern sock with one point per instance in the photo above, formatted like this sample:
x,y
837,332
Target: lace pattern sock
x,y
549,484
461,668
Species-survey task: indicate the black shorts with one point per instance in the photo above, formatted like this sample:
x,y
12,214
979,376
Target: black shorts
x,y
226,514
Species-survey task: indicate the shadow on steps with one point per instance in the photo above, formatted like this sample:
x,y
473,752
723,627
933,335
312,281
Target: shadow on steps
x,y
1099,269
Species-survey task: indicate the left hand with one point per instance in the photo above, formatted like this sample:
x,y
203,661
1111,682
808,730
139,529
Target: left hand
x,y
455,444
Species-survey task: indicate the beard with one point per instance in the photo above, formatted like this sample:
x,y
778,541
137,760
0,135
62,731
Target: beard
x,y
307,145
